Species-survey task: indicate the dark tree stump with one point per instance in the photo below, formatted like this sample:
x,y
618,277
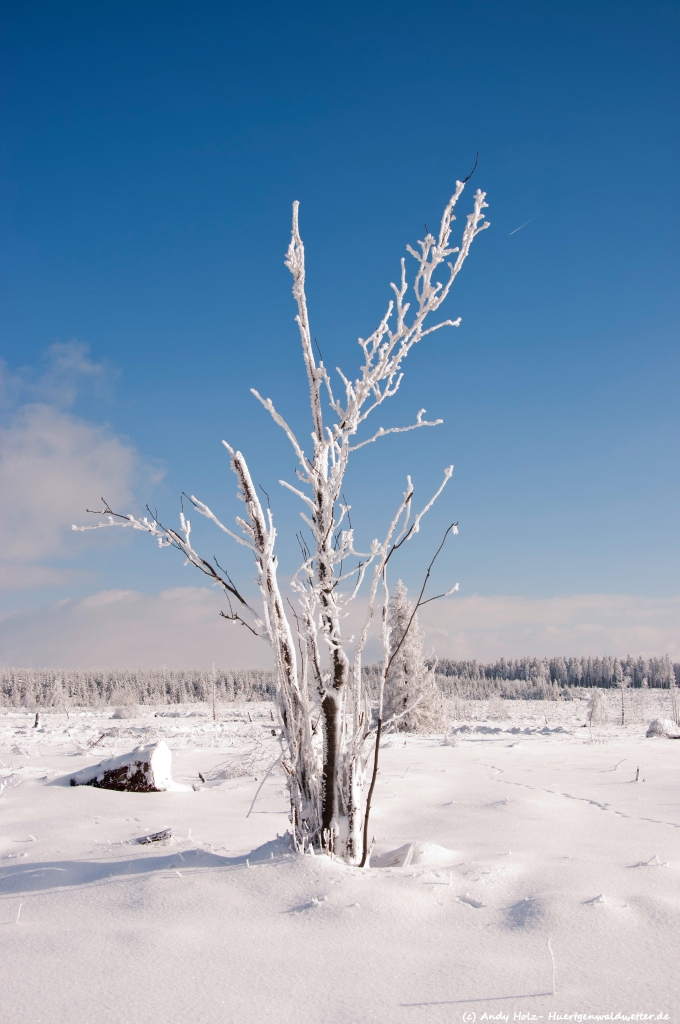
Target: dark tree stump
x,y
144,770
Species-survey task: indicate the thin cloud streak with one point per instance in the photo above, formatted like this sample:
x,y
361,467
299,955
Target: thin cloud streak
x,y
522,226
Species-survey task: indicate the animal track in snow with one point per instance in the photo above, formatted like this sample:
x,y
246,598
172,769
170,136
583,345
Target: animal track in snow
x,y
587,800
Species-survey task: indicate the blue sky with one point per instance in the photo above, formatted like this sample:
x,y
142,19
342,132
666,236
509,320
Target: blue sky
x,y
150,155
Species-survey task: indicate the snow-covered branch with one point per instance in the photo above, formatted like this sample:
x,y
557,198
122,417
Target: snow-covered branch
x,y
167,537
381,432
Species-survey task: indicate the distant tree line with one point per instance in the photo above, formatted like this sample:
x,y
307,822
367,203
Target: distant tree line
x,y
58,688
523,678
605,672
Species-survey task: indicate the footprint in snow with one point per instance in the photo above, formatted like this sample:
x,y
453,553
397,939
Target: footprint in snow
x,y
471,902
314,902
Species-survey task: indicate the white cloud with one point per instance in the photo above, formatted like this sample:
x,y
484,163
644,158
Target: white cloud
x,y
487,628
124,628
53,464
67,371
182,628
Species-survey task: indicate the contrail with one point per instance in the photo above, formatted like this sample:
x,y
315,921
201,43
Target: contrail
x,y
522,226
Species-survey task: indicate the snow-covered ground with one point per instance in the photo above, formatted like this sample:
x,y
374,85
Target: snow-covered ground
x,y
528,827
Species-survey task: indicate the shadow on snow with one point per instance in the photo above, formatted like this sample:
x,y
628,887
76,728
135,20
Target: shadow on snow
x,y
26,878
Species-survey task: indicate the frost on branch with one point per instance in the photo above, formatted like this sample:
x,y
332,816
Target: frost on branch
x,y
329,734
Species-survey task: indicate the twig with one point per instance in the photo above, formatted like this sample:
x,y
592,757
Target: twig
x,y
473,170
552,957
266,776
378,734
237,618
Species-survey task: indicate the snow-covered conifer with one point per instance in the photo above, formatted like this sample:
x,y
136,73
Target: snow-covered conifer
x,y
597,713
412,702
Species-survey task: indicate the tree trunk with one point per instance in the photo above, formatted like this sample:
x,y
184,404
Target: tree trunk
x,y
329,810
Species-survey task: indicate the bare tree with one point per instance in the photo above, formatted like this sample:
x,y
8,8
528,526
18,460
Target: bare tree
x,y
328,733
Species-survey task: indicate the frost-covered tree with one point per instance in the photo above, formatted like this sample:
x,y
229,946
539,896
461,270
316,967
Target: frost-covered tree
x,y
327,725
597,713
412,702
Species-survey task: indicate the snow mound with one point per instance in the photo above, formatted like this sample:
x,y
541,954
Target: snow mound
x,y
275,849
130,711
414,855
663,727
143,770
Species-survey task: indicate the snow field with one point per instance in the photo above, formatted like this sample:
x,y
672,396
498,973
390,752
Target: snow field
x,y
525,831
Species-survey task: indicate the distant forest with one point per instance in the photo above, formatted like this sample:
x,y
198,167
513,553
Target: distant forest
x,y
552,678
606,671
524,678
